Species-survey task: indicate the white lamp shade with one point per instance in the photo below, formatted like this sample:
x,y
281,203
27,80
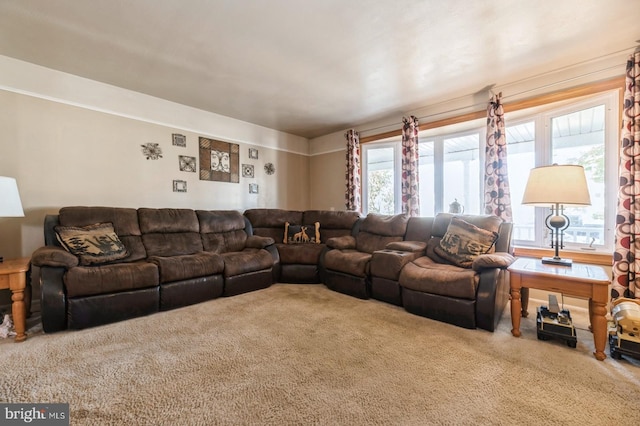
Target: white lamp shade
x,y
564,184
10,205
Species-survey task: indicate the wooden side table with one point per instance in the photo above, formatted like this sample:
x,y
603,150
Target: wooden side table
x,y
13,275
580,280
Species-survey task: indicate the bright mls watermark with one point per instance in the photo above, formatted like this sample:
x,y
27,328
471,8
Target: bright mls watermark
x,y
34,414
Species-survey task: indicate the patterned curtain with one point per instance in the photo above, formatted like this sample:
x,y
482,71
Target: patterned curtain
x,y
497,196
352,195
626,258
410,196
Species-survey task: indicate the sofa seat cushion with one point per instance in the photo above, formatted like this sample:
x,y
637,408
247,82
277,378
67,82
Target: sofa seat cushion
x,y
301,254
426,276
245,261
350,262
91,280
188,266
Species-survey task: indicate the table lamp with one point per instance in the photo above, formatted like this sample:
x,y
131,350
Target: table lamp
x,y
557,186
10,205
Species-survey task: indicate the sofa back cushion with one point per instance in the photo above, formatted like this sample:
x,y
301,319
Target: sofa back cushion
x,y
170,232
332,223
270,222
419,229
442,221
222,231
124,220
376,231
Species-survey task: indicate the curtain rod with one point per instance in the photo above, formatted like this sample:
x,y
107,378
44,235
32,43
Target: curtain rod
x,y
490,90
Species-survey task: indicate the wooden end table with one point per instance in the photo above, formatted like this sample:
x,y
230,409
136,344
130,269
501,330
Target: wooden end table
x,y
13,275
580,280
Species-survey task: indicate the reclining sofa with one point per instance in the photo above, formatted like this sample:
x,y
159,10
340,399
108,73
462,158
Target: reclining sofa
x,y
450,268
300,259
153,260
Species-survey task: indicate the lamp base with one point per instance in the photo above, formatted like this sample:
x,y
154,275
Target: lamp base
x,y
557,261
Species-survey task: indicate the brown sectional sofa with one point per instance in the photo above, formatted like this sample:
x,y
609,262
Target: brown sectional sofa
x,y
178,257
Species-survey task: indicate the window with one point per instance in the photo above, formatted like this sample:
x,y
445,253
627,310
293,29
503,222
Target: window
x,y
461,172
450,172
379,166
451,168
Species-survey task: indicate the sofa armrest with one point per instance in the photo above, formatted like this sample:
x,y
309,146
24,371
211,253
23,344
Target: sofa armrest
x,y
342,243
492,260
256,241
410,246
54,256
53,299
492,297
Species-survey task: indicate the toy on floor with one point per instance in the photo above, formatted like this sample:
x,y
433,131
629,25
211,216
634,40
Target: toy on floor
x,y
6,327
624,335
555,323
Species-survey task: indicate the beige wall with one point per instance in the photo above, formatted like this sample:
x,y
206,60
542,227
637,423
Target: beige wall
x,y
327,181
64,155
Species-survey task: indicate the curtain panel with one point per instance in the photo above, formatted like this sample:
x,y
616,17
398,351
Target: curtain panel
x,y
410,161
497,196
626,257
352,195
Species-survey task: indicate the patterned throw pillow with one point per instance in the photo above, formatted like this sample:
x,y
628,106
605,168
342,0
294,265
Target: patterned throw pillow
x,y
302,234
463,242
93,244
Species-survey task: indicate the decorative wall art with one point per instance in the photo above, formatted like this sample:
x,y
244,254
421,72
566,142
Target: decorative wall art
x,y
253,188
152,151
219,161
247,170
187,164
179,140
269,168
253,153
179,186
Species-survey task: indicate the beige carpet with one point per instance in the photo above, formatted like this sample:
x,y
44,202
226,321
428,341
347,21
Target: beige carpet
x,y
301,354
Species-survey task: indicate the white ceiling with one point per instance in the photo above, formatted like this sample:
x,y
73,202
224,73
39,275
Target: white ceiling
x,y
313,67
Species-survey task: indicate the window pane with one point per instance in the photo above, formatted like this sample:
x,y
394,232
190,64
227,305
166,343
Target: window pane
x,y
461,172
426,176
380,178
521,159
578,138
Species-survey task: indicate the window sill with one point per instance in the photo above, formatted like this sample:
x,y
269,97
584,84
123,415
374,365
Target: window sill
x,y
593,258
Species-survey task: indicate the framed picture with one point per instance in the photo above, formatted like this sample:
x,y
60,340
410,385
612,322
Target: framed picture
x,y
187,164
219,161
247,170
253,188
179,140
253,153
179,186
152,151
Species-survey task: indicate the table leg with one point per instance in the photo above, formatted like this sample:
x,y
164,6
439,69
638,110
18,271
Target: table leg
x,y
524,296
516,307
18,312
597,315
